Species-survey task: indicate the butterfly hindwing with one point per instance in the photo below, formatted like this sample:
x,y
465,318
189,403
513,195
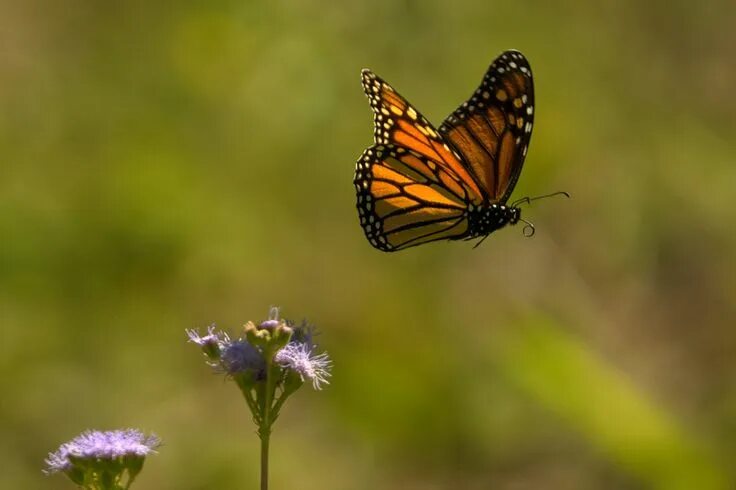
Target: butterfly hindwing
x,y
491,131
405,199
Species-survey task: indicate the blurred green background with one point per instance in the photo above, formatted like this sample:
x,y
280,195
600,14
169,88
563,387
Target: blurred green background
x,y
164,166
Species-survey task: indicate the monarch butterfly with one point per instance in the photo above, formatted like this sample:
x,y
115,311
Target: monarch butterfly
x,y
418,184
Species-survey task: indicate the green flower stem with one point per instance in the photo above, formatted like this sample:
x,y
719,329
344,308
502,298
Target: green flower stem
x,y
251,404
277,406
264,431
265,439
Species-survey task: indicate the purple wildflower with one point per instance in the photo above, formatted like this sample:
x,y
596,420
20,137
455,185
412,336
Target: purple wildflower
x,y
212,337
298,357
273,319
304,333
239,356
212,344
98,445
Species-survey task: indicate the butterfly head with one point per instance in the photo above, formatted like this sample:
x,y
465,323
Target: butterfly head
x,y
514,215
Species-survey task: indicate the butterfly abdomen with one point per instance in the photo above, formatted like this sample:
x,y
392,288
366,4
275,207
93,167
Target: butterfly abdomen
x,y
483,220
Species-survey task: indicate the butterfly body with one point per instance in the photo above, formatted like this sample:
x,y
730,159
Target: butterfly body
x,y
418,184
483,221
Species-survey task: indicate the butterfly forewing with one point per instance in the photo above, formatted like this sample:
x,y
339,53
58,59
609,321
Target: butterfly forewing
x,y
491,131
398,123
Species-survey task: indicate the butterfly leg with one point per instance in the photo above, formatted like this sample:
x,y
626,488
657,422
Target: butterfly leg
x,y
480,241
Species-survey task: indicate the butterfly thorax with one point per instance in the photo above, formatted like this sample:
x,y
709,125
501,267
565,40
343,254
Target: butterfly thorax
x,y
483,220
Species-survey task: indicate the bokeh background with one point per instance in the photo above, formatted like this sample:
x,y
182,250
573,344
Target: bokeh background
x,y
164,166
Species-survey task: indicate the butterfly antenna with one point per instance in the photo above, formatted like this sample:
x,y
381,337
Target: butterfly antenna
x,y
528,200
528,229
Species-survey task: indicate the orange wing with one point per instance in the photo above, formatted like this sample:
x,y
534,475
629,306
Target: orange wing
x,y
491,131
404,199
412,188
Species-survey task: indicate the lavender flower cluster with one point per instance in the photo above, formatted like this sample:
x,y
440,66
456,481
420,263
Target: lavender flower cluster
x,y
94,444
103,459
244,355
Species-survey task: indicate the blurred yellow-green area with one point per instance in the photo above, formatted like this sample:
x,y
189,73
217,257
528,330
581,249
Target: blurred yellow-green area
x,y
168,165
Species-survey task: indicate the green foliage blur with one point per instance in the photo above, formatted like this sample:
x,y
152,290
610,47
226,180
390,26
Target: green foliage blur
x,y
168,165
